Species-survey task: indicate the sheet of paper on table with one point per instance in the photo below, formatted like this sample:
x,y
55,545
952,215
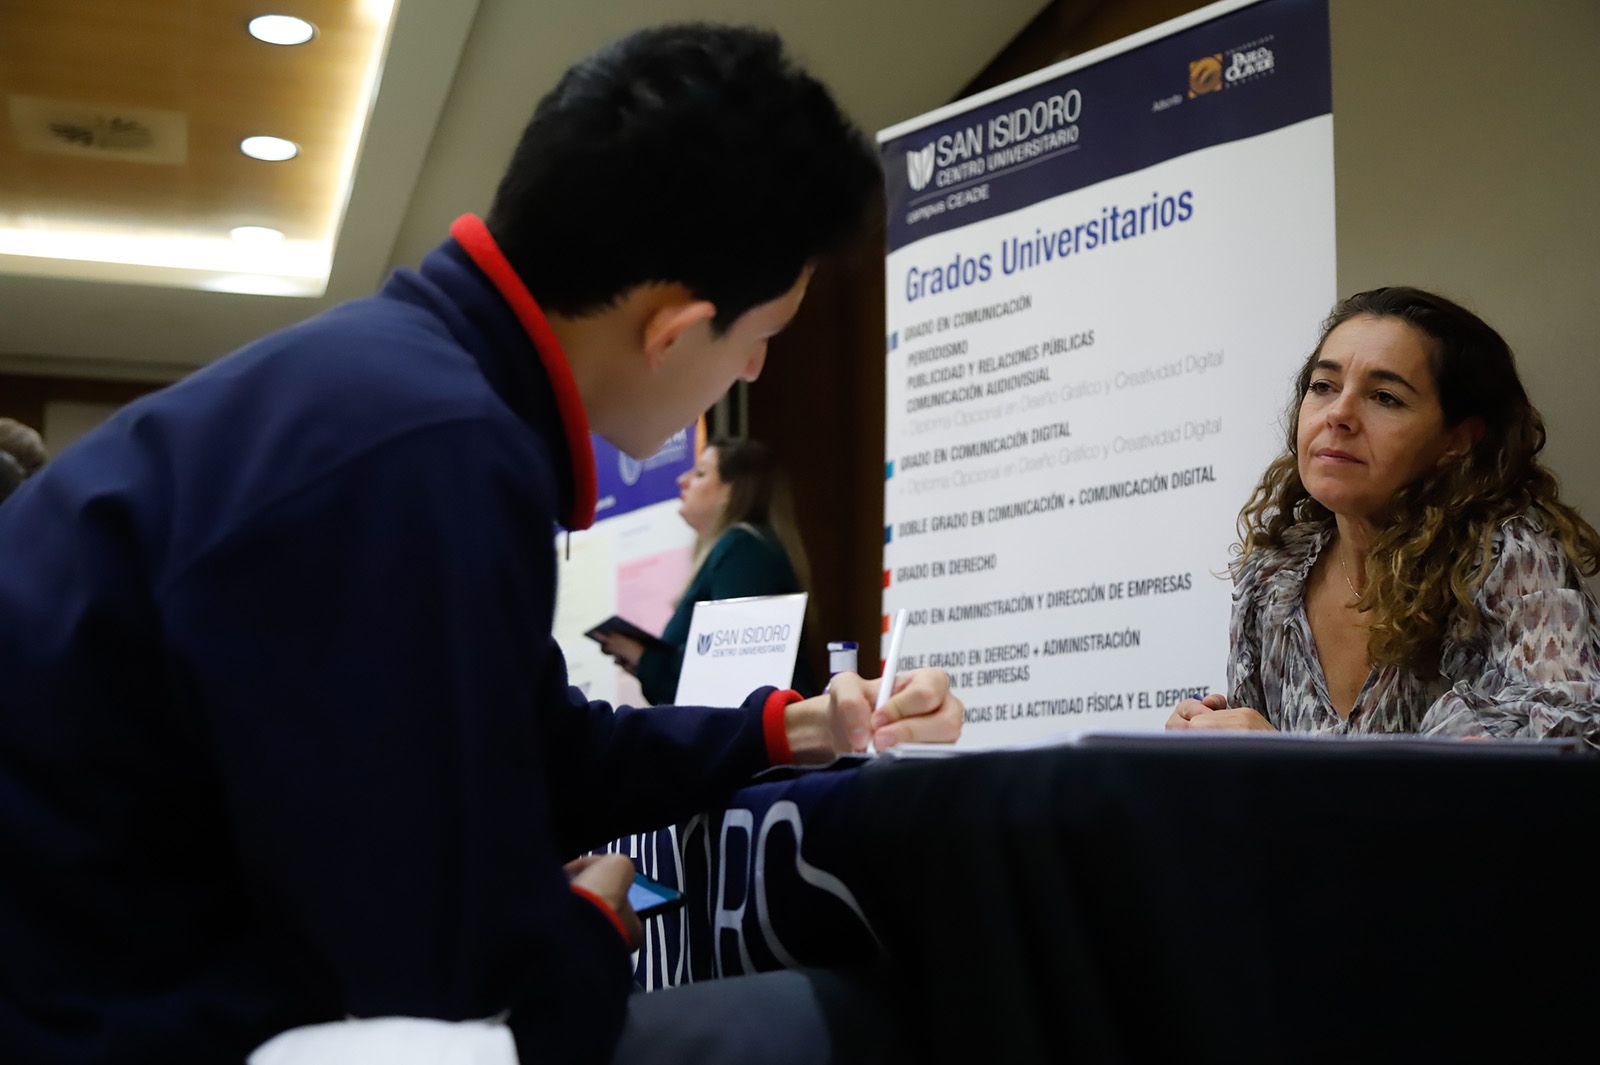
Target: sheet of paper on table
x,y
1407,742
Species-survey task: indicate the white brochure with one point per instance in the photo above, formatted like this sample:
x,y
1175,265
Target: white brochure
x,y
737,645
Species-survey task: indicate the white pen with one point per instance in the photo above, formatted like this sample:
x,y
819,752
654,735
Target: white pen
x,y
897,632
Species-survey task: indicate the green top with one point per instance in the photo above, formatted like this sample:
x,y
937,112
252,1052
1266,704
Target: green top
x,y
745,561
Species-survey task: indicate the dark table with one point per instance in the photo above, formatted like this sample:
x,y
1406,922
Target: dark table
x,y
1156,899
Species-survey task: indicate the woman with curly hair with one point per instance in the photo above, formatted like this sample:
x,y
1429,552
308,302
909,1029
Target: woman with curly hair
x,y
1407,564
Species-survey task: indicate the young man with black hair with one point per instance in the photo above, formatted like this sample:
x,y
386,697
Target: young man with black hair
x,y
285,736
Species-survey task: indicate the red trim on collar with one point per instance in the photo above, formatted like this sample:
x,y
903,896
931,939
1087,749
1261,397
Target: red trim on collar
x,y
479,244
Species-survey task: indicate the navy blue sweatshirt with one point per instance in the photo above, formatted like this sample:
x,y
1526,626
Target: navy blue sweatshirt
x,y
284,736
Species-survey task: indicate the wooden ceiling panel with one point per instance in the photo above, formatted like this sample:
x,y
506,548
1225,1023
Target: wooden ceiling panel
x,y
193,57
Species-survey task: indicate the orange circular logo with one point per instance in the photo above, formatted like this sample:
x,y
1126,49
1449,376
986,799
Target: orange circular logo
x,y
1205,75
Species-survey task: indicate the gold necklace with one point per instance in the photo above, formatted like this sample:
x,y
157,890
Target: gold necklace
x,y
1345,570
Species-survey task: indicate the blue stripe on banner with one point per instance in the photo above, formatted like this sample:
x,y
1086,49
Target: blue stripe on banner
x,y
1242,74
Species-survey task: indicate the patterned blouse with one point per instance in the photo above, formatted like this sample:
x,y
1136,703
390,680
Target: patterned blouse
x,y
1532,668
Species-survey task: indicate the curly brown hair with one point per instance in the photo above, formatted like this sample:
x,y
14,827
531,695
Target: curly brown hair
x,y
1429,558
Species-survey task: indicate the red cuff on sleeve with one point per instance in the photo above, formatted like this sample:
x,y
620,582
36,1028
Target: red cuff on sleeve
x,y
605,908
772,726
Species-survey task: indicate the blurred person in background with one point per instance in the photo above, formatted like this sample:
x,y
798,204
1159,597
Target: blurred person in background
x,y
747,543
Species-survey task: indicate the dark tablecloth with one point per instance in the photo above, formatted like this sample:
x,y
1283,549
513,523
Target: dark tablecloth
x,y
1150,900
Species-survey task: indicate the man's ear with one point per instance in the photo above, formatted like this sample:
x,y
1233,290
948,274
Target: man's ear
x,y
669,322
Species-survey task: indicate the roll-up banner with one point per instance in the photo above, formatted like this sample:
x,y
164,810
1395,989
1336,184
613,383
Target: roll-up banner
x,y
1101,279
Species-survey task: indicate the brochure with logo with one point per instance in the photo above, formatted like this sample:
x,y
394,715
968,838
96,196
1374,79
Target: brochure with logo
x,y
737,645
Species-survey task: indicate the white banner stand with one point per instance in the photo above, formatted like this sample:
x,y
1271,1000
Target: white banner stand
x,y
1102,279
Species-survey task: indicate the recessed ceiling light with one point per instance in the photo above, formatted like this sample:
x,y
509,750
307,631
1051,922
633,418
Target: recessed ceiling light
x,y
272,149
281,29
256,234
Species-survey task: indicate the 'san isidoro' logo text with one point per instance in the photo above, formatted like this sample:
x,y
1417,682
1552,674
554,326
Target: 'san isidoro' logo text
x,y
1022,133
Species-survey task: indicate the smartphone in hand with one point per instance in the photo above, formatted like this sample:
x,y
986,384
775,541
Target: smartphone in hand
x,y
650,898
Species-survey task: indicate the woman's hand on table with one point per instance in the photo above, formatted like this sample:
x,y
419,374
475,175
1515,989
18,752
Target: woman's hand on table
x,y
1213,712
920,710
